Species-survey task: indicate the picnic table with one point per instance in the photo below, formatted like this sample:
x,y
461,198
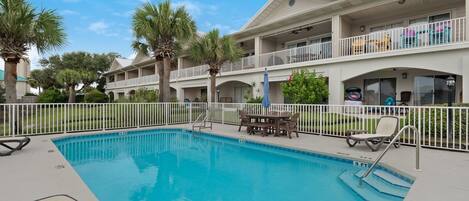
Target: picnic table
x,y
265,119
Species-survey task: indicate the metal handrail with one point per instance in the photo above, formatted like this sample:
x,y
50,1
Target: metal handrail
x,y
202,122
398,135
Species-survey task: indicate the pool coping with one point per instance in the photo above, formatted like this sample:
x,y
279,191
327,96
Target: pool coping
x,y
448,191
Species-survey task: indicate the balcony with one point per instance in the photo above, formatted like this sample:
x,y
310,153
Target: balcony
x,y
415,36
149,79
311,52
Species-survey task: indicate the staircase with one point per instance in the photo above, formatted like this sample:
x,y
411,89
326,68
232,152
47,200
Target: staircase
x,y
378,186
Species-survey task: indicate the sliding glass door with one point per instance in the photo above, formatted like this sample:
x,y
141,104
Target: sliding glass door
x,y
378,90
432,90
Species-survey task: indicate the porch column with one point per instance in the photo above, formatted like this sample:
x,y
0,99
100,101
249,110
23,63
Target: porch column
x,y
336,87
180,63
209,94
180,94
465,79
257,51
336,35
467,21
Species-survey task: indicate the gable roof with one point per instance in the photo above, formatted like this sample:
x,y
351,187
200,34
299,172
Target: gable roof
x,y
120,63
275,10
18,78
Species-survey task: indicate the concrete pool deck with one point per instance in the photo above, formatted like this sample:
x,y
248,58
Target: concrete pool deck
x,y
40,170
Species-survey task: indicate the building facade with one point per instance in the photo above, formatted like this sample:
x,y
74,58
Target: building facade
x,y
23,72
399,49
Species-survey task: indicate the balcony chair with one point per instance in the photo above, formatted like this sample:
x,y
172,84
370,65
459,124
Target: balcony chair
x,y
20,142
385,130
291,125
358,46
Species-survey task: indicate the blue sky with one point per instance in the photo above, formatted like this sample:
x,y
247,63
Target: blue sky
x,y
105,25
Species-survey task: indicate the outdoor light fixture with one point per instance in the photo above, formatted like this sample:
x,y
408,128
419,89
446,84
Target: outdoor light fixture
x,y
404,75
401,2
218,95
362,28
450,82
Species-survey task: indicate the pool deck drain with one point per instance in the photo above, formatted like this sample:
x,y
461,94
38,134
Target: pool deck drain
x,y
35,167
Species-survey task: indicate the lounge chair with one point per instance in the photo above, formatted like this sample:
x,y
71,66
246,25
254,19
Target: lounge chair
x,y
9,142
290,125
385,130
60,197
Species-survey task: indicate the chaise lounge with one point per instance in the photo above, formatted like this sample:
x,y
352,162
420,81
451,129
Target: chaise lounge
x,y
8,143
385,130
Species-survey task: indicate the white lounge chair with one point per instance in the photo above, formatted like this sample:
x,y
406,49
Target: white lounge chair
x,y
385,130
9,143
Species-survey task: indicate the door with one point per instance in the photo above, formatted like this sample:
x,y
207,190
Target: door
x,y
378,90
387,89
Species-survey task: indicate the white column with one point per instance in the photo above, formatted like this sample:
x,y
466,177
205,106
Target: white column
x,y
465,79
209,94
467,21
180,94
336,87
257,50
336,29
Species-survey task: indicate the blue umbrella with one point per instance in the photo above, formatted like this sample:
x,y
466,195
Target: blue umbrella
x,y
266,100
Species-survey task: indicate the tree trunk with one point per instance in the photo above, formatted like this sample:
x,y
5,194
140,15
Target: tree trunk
x,y
160,69
71,94
213,87
10,80
167,72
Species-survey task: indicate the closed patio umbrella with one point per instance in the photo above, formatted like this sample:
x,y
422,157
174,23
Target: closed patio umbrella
x,y
266,99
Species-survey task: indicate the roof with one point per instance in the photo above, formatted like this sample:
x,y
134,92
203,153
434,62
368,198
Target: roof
x,y
2,76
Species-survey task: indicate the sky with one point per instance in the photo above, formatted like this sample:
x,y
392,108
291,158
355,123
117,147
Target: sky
x,y
101,26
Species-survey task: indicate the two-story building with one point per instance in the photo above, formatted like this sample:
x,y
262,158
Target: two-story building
x,y
385,48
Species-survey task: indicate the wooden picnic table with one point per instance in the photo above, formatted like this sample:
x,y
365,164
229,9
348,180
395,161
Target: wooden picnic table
x,y
275,117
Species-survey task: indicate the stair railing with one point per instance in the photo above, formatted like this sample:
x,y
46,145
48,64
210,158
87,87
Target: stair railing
x,y
201,121
398,135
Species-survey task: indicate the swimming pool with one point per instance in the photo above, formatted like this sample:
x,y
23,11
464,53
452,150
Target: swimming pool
x,y
176,164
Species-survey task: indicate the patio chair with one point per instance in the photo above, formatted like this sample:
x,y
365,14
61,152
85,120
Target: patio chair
x,y
385,130
290,125
244,121
7,143
59,197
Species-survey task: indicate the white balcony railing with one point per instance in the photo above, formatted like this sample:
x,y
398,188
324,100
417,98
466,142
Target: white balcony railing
x,y
149,79
295,55
242,64
191,72
415,36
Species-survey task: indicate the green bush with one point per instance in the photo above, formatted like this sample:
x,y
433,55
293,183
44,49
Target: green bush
x,y
434,121
257,99
52,96
95,96
306,87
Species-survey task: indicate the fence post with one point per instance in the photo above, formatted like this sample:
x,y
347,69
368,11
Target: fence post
x,y
65,117
138,115
320,120
190,113
419,124
166,111
103,116
13,118
223,113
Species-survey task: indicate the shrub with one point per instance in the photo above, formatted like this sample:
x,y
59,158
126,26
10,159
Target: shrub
x,y
95,96
257,99
144,96
306,87
52,96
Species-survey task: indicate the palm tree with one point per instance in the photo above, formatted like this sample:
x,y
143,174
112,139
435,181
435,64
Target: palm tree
x,y
70,79
213,50
22,28
160,29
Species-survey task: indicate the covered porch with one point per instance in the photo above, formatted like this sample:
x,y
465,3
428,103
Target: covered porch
x,y
403,86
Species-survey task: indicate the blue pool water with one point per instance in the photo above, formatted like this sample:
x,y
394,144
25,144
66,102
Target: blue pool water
x,y
174,164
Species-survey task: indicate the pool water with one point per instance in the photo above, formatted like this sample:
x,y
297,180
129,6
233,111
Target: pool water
x,y
175,164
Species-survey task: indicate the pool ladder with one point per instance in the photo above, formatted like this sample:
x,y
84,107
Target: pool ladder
x,y
202,121
417,151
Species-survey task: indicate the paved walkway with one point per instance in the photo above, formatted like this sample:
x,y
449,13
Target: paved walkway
x,y
40,170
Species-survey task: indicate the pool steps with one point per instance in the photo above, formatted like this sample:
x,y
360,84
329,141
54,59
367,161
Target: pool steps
x,y
379,186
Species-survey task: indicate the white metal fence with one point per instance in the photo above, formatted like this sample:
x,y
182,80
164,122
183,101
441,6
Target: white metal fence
x,y
414,36
295,55
440,127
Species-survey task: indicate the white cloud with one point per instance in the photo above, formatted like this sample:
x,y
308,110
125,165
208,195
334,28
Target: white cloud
x,y
69,12
225,29
101,28
195,8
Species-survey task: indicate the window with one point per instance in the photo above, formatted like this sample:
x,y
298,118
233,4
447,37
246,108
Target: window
x,y
430,19
386,27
